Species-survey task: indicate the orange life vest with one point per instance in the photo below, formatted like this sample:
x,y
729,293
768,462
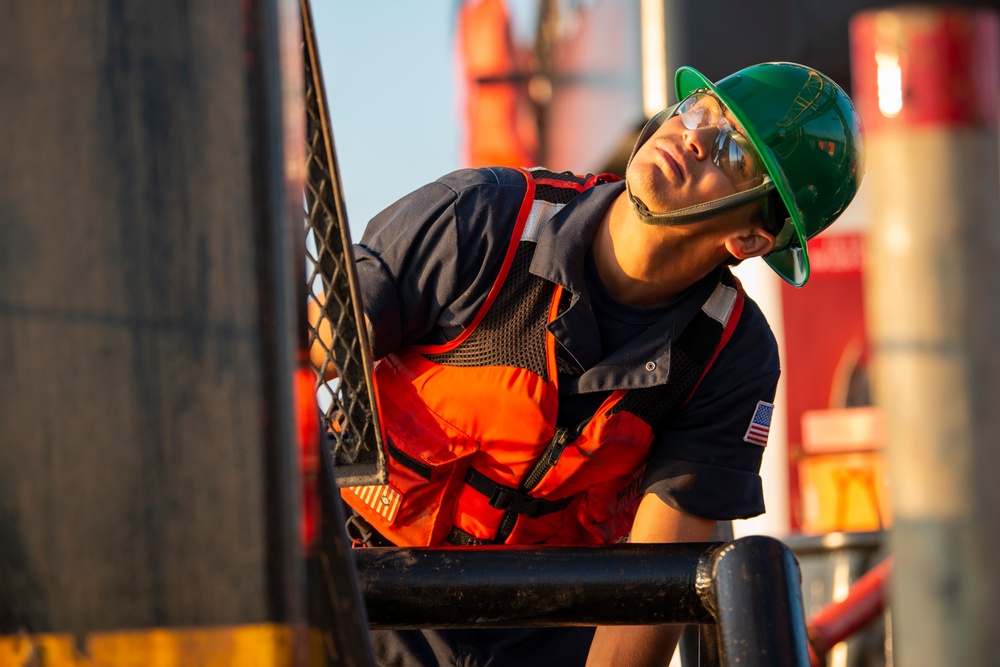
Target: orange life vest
x,y
474,454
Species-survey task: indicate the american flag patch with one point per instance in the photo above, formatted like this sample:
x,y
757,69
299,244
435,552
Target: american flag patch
x,y
760,424
381,497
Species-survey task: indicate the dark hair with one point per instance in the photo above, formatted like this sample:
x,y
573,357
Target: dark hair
x,y
770,215
773,213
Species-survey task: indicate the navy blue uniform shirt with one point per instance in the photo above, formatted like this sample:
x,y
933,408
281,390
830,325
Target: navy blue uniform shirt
x,y
427,262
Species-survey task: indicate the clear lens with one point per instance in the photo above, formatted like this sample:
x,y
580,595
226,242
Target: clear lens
x,y
700,110
735,156
732,152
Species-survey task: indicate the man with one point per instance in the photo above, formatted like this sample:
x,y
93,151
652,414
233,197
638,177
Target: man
x,y
568,360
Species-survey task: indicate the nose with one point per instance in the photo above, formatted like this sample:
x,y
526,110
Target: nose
x,y
701,140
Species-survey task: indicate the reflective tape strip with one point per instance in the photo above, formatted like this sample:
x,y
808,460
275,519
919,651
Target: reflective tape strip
x,y
541,212
380,497
265,645
720,305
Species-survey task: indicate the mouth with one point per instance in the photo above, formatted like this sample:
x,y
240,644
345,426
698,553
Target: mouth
x,y
673,165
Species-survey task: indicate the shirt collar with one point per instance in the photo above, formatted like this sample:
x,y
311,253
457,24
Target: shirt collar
x,y
559,257
563,242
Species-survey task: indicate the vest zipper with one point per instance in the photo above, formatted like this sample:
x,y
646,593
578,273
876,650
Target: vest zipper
x,y
548,459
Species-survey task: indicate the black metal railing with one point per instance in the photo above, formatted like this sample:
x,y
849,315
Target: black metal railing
x,y
748,590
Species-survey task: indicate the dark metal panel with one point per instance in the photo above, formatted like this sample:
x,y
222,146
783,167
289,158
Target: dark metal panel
x,y
135,419
335,602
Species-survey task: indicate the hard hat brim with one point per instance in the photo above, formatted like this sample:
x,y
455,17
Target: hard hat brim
x,y
791,263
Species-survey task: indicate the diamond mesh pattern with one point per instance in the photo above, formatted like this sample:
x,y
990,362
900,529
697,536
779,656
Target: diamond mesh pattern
x,y
347,404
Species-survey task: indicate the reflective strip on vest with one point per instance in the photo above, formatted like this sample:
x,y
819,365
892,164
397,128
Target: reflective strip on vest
x,y
720,305
382,498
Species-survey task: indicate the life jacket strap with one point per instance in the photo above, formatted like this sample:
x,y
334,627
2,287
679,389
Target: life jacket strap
x,y
509,499
460,538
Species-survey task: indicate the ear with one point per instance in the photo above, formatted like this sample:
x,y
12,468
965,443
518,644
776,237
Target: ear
x,y
754,244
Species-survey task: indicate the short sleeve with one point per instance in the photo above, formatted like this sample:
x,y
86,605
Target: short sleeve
x,y
706,460
426,262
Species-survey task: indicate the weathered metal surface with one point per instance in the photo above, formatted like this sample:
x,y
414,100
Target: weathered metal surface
x,y
533,586
146,330
928,90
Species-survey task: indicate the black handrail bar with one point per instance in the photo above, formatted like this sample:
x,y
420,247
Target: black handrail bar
x,y
748,588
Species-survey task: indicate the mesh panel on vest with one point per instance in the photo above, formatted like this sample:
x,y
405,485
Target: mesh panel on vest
x,y
654,405
566,365
509,332
553,192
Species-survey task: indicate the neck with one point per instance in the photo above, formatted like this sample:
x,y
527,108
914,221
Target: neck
x,y
647,265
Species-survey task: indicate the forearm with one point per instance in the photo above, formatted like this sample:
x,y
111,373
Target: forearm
x,y
321,342
652,645
633,645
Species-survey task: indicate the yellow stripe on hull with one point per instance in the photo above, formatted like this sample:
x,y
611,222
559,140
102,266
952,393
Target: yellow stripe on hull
x,y
265,645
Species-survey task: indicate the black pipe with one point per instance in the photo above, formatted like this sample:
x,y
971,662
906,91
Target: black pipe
x,y
625,584
750,589
758,604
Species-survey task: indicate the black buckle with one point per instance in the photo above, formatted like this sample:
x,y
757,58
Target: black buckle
x,y
528,506
507,499
502,497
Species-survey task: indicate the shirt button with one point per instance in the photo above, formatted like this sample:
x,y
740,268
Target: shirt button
x,y
650,365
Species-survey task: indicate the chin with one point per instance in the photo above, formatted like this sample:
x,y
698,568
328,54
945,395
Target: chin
x,y
648,188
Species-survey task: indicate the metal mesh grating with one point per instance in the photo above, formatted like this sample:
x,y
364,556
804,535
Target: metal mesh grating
x,y
347,404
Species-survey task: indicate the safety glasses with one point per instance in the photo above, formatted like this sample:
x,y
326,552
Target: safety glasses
x,y
732,152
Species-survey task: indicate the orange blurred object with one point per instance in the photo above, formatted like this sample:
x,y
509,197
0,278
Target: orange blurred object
x,y
842,471
307,416
500,128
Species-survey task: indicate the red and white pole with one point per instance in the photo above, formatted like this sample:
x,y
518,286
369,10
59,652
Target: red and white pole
x,y
927,85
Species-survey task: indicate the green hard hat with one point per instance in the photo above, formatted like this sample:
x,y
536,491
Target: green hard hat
x,y
808,135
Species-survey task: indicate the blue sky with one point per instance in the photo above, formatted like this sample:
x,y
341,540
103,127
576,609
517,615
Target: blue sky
x,y
390,83
389,75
